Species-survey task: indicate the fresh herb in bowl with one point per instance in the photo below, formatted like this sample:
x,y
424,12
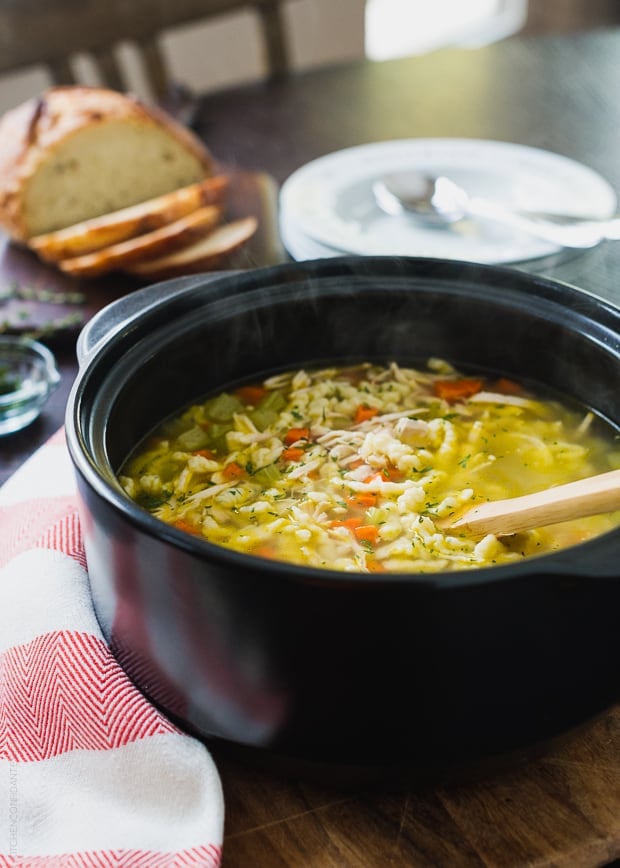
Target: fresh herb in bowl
x,y
28,376
8,382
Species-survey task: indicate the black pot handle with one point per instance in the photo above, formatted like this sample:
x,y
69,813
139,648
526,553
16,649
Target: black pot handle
x,y
119,314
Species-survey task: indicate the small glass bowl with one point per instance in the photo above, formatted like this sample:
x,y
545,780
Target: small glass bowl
x,y
28,376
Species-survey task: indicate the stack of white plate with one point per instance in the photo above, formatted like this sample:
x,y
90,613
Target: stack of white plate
x,y
327,207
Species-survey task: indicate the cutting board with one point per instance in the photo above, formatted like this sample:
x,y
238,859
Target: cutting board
x,y
36,298
559,811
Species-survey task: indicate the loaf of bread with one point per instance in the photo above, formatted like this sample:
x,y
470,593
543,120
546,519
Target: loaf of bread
x,y
76,153
94,181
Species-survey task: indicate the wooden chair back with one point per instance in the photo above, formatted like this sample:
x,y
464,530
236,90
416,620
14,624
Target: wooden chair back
x,y
545,16
52,32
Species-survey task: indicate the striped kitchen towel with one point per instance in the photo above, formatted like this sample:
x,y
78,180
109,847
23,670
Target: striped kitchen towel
x,y
91,774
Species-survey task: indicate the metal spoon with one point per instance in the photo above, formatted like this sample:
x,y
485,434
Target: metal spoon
x,y
438,201
591,496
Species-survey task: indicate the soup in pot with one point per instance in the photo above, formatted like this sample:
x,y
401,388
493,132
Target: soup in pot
x,y
355,468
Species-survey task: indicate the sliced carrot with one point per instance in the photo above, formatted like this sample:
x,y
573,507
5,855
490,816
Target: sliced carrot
x,y
233,471
363,413
367,533
251,394
182,524
454,390
353,465
293,453
349,523
295,434
265,551
387,474
507,387
393,474
374,566
362,500
205,453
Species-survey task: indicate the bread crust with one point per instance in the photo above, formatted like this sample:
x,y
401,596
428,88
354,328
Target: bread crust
x,y
203,255
100,232
156,243
33,130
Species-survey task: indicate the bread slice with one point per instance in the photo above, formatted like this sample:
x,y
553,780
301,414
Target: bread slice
x,y
156,243
204,255
77,152
100,232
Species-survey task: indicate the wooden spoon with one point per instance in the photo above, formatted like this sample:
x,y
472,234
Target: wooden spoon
x,y
591,496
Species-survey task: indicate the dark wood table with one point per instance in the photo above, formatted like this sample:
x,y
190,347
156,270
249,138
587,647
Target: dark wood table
x,y
558,93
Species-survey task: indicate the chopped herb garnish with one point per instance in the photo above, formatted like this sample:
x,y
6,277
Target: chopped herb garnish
x,y
8,382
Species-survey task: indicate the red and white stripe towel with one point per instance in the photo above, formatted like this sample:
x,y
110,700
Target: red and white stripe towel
x,y
91,774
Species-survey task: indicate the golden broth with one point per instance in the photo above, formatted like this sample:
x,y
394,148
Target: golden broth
x,y
350,468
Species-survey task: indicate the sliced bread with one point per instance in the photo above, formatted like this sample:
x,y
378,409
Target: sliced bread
x,y
157,243
204,255
77,152
100,232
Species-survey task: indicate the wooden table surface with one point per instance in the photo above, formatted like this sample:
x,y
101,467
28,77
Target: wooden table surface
x,y
559,93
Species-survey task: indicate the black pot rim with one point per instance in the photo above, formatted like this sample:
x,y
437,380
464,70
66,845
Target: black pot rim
x,y
117,321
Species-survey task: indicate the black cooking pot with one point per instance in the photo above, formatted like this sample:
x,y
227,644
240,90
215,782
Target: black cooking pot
x,y
417,673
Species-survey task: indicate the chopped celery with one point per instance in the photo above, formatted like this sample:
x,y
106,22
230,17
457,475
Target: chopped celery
x,y
268,475
272,401
223,407
192,439
263,418
172,428
217,432
167,470
267,410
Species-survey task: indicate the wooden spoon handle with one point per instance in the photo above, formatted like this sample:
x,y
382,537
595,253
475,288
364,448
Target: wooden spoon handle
x,y
591,496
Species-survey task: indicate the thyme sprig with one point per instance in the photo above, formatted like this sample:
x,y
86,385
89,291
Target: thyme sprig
x,y
18,292
32,293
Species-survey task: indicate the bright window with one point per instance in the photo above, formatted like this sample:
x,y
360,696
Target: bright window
x,y
396,28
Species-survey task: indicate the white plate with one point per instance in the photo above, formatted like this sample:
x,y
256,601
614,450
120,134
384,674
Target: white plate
x,y
300,246
330,200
